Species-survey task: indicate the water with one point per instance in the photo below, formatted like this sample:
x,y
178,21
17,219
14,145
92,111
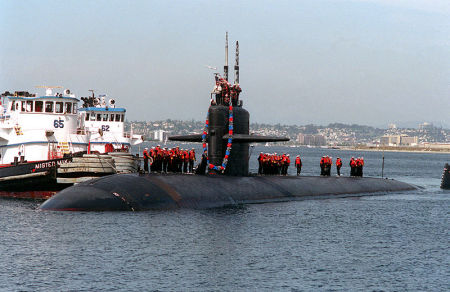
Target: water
x,y
395,242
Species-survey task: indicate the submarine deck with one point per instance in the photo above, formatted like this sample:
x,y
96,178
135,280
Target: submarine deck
x,y
170,191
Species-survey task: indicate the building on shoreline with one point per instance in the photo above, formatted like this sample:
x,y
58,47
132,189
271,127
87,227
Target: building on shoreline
x,y
310,139
399,140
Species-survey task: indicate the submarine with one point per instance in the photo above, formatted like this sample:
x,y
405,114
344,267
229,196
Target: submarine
x,y
222,179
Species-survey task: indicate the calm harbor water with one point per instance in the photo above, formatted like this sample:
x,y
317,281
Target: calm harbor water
x,y
393,242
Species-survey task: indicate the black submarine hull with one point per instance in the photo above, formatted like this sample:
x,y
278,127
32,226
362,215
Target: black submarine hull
x,y
134,192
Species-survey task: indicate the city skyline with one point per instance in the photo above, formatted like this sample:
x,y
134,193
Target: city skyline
x,y
371,62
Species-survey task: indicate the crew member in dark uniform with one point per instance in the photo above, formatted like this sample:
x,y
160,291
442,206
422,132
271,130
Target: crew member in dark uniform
x,y
146,158
165,161
201,168
260,163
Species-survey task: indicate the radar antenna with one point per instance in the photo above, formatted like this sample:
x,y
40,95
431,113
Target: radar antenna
x,y
236,65
225,68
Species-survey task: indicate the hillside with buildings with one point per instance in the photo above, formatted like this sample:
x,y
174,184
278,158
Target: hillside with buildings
x,y
336,134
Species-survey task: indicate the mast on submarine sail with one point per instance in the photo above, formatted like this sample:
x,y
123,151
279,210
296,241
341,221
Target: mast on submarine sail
x,y
225,67
236,65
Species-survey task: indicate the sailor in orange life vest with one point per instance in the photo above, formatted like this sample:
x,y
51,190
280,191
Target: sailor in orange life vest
x,y
298,164
352,165
185,157
338,166
325,165
285,162
328,166
359,166
356,166
191,160
322,165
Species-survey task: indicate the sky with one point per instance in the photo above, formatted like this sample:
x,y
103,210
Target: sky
x,y
370,62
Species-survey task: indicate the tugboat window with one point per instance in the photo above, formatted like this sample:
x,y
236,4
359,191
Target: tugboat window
x,y
111,118
117,118
29,106
105,117
13,107
121,118
99,117
59,107
74,108
87,117
49,106
92,117
38,106
23,106
68,107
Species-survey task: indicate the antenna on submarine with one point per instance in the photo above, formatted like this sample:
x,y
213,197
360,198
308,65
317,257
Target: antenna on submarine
x,y
236,65
225,68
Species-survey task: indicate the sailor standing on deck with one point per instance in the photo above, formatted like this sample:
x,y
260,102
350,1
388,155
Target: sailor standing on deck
x,y
329,163
146,159
322,165
191,160
359,166
165,159
352,164
201,168
338,166
298,164
185,160
260,163
288,163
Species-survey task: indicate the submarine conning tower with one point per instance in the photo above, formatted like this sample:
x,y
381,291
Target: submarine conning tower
x,y
238,160
227,130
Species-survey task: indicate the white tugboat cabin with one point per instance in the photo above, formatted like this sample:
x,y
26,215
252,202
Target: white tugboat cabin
x,y
37,128
105,124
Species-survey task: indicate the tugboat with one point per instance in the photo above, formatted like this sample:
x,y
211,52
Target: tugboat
x,y
37,133
105,124
40,136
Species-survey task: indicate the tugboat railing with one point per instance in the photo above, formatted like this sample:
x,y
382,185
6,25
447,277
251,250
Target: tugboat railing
x,y
5,118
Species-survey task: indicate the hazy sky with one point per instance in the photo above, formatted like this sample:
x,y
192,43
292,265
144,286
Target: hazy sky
x,y
368,62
